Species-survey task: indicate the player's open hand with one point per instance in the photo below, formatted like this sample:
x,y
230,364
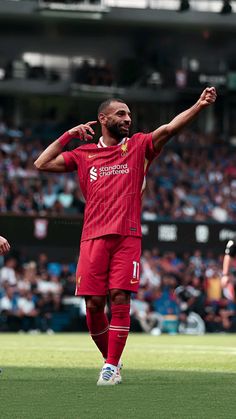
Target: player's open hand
x,y
83,131
208,96
4,246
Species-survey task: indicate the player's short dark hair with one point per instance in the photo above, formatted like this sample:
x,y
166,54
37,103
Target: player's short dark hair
x,y
104,105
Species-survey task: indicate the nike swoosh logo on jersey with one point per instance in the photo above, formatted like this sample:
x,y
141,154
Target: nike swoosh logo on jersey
x,y
90,156
134,281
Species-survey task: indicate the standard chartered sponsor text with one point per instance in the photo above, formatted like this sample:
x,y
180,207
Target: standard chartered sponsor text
x,y
117,169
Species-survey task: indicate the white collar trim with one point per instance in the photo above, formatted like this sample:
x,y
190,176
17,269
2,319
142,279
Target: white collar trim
x,y
101,143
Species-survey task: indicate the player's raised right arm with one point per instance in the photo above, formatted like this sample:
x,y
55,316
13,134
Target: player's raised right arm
x,y
51,159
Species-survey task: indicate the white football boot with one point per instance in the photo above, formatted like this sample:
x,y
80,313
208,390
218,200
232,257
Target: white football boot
x,y
107,376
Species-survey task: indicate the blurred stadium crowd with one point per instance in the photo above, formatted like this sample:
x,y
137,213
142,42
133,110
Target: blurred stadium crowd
x,y
176,294
194,179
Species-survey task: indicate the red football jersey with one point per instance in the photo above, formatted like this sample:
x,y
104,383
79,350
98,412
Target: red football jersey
x,y
112,179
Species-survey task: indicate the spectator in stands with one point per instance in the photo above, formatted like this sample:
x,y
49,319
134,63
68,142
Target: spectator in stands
x,y
187,296
9,310
27,311
191,305
47,305
141,311
166,305
8,272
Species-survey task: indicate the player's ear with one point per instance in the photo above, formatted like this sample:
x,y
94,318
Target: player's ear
x,y
102,118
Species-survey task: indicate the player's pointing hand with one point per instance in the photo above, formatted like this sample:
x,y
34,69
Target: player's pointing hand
x,y
208,96
83,131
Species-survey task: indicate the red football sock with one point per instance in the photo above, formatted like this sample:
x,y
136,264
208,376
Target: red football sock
x,y
118,332
98,326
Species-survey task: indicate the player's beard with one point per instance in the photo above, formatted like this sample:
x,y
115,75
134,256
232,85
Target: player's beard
x,y
116,130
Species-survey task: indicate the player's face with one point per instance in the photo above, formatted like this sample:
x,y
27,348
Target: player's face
x,y
118,120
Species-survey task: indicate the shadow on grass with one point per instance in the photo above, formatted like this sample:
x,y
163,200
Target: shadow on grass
x,y
71,393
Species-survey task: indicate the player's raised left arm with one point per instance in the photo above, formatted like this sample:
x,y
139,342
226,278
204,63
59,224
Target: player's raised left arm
x,y
163,134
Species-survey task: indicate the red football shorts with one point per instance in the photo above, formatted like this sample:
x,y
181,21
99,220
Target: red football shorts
x,y
108,262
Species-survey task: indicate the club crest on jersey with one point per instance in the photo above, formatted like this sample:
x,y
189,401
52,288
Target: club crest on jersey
x,y
124,149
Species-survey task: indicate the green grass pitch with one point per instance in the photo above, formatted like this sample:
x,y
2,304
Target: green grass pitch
x,y
166,377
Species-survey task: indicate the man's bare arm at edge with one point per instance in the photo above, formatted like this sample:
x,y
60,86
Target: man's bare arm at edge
x,y
226,266
51,159
163,134
4,246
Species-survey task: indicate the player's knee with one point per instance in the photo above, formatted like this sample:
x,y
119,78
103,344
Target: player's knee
x,y
120,297
95,303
